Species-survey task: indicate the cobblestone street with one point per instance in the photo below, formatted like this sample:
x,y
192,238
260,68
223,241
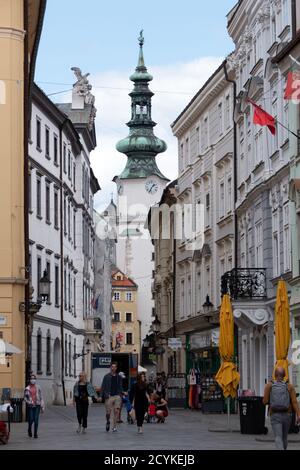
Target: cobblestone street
x,y
183,430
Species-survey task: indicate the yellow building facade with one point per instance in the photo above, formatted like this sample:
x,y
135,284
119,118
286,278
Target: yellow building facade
x,y
20,27
126,329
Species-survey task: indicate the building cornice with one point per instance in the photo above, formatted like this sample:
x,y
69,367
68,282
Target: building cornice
x,y
213,87
12,33
52,321
268,184
41,100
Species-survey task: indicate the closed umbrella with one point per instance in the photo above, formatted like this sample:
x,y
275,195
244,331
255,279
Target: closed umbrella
x,y
282,328
227,377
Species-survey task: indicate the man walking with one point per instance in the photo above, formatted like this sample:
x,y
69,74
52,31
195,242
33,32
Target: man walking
x,y
281,398
112,392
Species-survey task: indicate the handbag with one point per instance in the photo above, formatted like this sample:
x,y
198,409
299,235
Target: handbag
x,y
192,379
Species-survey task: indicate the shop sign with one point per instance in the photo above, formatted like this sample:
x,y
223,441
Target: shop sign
x,y
2,320
205,339
101,360
174,343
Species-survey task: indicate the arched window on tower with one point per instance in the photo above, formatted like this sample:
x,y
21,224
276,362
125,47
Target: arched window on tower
x,y
141,109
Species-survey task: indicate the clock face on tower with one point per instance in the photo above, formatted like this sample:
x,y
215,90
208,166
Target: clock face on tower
x,y
151,186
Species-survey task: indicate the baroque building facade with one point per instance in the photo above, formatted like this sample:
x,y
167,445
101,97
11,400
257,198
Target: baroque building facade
x,y
62,235
259,29
126,327
286,61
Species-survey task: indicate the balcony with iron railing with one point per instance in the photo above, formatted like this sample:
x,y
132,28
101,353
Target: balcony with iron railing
x,y
245,283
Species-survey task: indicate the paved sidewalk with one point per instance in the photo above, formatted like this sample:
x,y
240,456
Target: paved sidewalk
x,y
183,430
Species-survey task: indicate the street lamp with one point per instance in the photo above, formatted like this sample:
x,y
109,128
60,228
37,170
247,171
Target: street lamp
x,y
207,306
146,342
44,294
156,325
44,287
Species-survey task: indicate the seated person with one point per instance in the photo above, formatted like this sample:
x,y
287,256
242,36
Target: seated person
x,y
161,408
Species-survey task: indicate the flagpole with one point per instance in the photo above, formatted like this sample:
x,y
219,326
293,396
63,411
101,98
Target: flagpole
x,y
286,128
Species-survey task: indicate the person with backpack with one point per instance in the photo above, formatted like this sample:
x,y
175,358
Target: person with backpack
x,y
281,398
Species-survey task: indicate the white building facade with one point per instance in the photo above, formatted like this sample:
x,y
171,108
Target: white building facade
x,y
204,190
259,29
61,232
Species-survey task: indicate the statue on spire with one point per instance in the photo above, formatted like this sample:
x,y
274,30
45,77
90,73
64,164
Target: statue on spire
x,y
141,38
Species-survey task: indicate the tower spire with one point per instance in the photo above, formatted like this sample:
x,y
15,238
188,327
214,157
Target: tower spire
x,y
141,62
141,146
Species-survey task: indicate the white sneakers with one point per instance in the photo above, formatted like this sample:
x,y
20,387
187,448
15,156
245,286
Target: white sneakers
x,y
140,430
80,429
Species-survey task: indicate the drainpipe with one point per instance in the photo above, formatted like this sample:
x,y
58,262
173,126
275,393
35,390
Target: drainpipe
x,y
294,18
26,196
62,300
234,166
174,298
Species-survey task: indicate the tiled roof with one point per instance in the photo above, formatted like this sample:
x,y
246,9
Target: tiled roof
x,y
125,282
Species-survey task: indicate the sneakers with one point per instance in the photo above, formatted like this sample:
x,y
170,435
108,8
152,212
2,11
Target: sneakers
x,y
35,436
79,429
83,430
29,433
140,430
107,425
114,430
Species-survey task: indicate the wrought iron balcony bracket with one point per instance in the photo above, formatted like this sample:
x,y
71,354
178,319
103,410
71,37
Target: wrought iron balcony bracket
x,y
30,307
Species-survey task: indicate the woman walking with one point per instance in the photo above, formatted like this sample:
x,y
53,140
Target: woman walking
x,y
141,401
81,393
35,403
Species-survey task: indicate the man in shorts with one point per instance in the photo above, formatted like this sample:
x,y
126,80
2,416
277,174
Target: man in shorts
x,y
112,393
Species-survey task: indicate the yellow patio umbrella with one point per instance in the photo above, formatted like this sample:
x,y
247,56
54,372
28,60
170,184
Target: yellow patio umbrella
x,y
227,377
282,328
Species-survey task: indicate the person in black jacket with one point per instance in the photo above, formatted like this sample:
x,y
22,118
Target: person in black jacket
x,y
141,400
112,390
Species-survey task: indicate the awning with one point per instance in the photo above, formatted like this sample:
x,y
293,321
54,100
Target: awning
x,y
10,349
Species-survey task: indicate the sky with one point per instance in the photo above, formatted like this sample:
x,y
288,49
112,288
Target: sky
x,y
183,47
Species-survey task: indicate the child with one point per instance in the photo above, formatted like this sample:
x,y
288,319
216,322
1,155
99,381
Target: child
x,y
128,407
151,411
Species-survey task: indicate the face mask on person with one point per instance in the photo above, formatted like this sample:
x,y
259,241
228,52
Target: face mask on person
x,y
32,381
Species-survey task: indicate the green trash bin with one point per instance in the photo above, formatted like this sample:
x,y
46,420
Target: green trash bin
x,y
17,404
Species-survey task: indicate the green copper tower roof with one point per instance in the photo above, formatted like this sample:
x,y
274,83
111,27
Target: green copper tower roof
x,y
141,146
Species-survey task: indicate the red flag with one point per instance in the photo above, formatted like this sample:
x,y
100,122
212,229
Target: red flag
x,y
262,118
292,90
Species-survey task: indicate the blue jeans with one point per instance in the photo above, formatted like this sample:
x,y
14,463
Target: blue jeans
x,y
33,417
